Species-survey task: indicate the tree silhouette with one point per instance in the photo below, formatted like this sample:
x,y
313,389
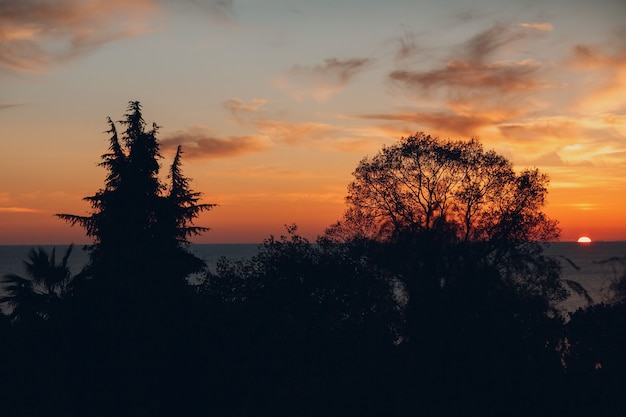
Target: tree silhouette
x,y
309,327
432,193
133,304
595,358
46,282
460,231
184,202
424,183
431,296
140,227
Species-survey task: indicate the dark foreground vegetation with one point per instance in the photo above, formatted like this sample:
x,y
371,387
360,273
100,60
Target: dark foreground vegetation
x,y
431,297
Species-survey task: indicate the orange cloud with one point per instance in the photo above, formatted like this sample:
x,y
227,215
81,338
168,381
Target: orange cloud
x,y
607,63
319,135
549,159
18,210
478,86
440,122
615,119
476,69
293,133
280,132
36,34
615,123
268,171
354,144
593,57
197,142
552,128
482,84
575,140
500,76
545,27
322,81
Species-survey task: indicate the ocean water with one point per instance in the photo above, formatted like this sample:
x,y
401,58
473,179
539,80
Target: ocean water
x,y
594,265
12,256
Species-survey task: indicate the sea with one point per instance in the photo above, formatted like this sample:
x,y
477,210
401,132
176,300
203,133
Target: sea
x,y
12,256
594,265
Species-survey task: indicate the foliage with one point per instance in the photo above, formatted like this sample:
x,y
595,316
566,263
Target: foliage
x,y
618,284
140,226
431,297
594,358
450,208
184,203
37,294
424,184
129,316
329,285
459,230
319,314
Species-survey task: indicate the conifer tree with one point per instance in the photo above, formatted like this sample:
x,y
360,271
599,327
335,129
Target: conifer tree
x,y
139,226
184,203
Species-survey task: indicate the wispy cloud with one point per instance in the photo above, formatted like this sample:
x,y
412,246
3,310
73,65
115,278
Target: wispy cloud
x,y
479,83
565,140
326,197
278,131
36,34
294,133
18,210
595,56
269,171
483,45
498,76
11,105
324,80
440,122
550,159
584,206
545,27
474,68
243,111
250,114
198,142
547,128
407,47
606,64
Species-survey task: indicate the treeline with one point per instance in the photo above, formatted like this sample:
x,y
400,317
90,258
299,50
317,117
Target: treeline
x,y
432,296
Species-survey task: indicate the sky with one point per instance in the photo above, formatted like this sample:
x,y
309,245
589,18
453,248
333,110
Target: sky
x,y
275,102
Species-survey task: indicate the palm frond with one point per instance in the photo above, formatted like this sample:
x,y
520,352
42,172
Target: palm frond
x,y
67,254
579,290
569,261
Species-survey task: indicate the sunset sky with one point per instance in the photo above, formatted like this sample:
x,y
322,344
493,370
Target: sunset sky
x,y
275,102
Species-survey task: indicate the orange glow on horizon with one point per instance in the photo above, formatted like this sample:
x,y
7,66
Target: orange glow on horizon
x,y
275,141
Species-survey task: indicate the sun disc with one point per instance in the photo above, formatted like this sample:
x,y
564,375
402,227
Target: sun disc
x,y
584,239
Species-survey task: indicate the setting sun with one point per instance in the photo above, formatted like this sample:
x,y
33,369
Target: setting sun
x,y
584,239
